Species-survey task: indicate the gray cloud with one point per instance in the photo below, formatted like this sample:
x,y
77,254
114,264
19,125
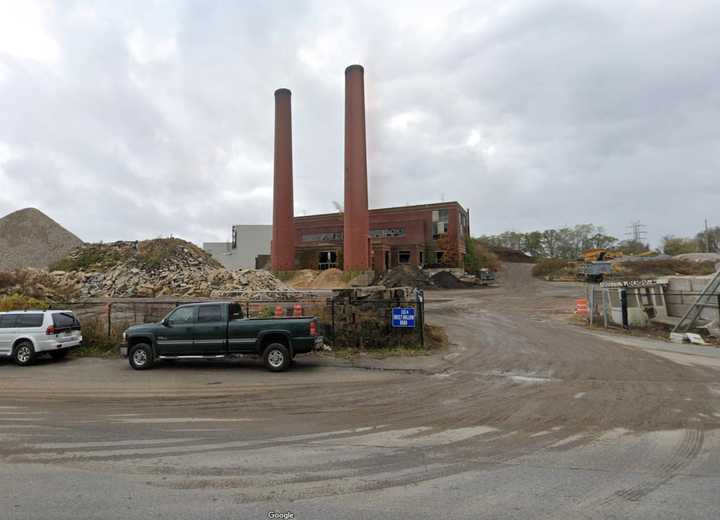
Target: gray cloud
x,y
146,120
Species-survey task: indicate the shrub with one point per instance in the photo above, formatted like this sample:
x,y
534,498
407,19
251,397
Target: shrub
x,y
96,341
18,302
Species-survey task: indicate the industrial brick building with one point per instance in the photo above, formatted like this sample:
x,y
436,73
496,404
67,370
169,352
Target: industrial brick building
x,y
424,235
358,239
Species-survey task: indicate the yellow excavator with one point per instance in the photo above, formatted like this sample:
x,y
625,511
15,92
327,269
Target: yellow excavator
x,y
596,264
599,255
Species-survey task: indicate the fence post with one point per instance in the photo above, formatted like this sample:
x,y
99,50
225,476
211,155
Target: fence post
x,y
332,319
421,312
109,319
605,297
624,308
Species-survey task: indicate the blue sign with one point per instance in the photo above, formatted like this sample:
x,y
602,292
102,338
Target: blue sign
x,y
403,317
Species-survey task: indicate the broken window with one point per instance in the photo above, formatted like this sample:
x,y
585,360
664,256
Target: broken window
x,y
403,257
327,259
440,219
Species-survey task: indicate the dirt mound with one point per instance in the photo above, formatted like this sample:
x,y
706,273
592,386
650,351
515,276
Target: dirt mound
x,y
505,254
301,279
447,280
655,268
404,276
29,238
699,257
330,279
311,279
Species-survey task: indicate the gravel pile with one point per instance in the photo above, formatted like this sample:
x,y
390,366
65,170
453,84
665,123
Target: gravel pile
x,y
29,238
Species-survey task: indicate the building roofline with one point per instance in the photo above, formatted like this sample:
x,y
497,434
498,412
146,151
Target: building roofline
x,y
393,209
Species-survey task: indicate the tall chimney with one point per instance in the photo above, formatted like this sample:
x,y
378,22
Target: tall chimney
x,y
356,247
282,247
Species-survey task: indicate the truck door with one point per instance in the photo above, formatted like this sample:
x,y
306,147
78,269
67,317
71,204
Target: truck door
x,y
242,332
211,329
177,336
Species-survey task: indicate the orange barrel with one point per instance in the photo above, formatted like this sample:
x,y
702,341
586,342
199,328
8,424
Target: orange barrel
x,y
581,306
278,311
297,310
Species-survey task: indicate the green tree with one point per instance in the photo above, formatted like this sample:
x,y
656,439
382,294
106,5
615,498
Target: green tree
x,y
678,245
633,247
709,239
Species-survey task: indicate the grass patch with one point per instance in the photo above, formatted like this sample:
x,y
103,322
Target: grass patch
x,y
89,256
435,339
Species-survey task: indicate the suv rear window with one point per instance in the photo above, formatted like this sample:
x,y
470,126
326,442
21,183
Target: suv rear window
x,y
28,320
64,320
7,321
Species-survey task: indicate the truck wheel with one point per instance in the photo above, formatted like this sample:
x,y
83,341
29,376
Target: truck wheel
x,y
59,354
276,357
23,353
141,357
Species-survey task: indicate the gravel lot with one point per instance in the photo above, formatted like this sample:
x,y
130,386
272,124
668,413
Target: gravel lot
x,y
526,416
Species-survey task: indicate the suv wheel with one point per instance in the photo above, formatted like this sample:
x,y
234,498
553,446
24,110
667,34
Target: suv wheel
x,y
23,353
141,356
276,357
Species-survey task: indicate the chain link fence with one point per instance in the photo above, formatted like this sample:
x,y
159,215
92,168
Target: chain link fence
x,y
344,321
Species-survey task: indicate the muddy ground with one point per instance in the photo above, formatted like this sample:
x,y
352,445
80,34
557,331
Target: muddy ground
x,y
524,416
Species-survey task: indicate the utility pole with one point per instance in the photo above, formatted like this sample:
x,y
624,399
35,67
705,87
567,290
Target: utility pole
x,y
707,238
637,231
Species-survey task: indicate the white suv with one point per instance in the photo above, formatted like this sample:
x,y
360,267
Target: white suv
x,y
26,334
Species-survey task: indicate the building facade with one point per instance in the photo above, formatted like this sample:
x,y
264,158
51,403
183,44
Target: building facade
x,y
248,242
427,235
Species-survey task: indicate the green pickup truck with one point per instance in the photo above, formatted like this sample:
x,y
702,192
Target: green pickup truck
x,y
219,330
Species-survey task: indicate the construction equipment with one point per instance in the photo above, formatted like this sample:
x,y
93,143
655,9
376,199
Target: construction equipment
x,y
599,254
593,272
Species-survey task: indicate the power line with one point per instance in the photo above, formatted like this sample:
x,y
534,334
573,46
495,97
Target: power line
x,y
637,230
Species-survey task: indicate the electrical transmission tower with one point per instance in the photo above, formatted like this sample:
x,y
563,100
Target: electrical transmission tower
x,y
637,231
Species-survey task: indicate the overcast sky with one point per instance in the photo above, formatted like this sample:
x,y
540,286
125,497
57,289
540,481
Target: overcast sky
x,y
127,120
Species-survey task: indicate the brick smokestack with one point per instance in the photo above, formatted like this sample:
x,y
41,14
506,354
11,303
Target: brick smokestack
x,y
356,253
282,248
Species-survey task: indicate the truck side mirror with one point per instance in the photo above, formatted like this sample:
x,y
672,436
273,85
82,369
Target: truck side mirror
x,y
165,322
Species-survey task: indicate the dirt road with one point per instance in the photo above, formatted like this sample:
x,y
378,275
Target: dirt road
x,y
525,416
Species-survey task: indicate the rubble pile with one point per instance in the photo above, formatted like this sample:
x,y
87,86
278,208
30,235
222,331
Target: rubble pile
x,y
151,268
37,283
